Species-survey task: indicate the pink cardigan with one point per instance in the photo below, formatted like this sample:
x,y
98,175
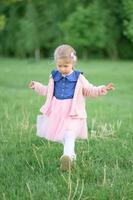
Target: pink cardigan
x,y
83,89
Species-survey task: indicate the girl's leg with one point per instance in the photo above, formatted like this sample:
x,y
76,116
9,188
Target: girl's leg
x,y
69,145
68,157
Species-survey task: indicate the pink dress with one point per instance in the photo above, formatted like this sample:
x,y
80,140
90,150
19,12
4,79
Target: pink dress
x,y
54,125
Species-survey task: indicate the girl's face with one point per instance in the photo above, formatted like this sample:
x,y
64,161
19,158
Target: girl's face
x,y
64,67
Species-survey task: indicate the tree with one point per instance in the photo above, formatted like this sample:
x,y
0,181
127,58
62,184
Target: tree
x,y
86,27
128,19
28,35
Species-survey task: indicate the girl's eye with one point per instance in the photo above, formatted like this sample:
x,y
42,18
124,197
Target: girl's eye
x,y
62,66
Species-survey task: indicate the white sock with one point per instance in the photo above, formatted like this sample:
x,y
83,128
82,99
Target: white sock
x,y
69,144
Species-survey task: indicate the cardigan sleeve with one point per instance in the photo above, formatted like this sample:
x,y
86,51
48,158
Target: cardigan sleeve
x,y
40,88
90,90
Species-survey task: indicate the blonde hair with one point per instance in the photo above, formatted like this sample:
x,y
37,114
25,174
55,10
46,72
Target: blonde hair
x,y
65,51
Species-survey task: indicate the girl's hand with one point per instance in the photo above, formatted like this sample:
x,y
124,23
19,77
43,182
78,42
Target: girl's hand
x,y
31,85
110,86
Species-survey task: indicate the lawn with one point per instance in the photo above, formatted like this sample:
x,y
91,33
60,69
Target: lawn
x,y
29,166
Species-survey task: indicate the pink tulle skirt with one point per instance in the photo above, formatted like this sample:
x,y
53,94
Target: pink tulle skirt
x,y
57,123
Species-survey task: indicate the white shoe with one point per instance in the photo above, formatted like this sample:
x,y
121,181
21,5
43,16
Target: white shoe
x,y
73,157
66,163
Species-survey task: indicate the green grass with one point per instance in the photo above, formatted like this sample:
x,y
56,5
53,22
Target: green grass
x,y
29,166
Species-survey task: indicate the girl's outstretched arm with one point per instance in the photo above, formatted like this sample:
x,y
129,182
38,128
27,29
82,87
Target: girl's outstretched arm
x,y
94,91
38,87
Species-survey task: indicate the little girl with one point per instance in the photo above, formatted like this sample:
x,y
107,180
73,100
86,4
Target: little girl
x,y
64,116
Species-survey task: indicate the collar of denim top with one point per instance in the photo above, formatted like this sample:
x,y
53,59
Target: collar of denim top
x,y
71,77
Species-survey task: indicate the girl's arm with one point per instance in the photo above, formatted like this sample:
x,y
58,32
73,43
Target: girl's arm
x,y
94,91
38,87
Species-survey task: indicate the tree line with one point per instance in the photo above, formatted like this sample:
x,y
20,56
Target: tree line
x,y
95,28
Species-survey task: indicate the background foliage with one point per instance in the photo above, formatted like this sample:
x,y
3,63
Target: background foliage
x,y
96,28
